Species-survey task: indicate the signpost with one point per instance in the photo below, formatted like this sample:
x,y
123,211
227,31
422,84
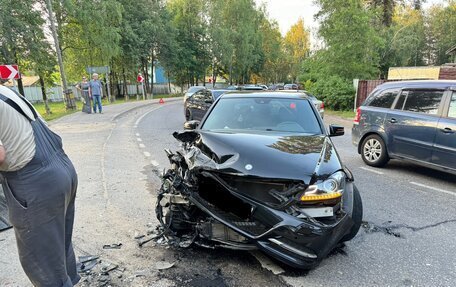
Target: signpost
x,y
140,79
10,72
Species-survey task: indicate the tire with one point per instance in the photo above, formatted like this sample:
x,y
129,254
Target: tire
x,y
188,115
373,151
357,216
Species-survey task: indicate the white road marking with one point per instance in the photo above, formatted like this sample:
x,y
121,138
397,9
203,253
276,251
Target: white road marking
x,y
147,154
371,170
143,116
154,163
142,146
433,188
138,139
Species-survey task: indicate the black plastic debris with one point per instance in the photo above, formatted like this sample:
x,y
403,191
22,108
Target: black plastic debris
x,y
87,263
113,246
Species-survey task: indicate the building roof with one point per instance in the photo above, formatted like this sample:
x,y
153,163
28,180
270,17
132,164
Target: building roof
x,y
27,81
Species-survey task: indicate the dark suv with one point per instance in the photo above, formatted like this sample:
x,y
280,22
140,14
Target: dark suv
x,y
412,120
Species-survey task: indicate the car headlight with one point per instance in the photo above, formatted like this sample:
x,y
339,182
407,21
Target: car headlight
x,y
331,188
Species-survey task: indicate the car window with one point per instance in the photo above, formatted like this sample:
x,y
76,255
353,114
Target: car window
x,y
452,110
263,114
207,95
198,96
384,99
400,101
423,101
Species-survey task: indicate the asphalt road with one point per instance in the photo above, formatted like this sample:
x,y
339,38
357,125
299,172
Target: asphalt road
x,y
408,235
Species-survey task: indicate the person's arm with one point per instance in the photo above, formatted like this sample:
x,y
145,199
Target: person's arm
x,y
2,153
78,86
90,90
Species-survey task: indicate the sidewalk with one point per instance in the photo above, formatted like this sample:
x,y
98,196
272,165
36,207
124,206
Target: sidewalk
x,y
114,200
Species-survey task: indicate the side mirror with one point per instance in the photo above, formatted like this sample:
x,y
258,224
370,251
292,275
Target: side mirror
x,y
191,125
335,130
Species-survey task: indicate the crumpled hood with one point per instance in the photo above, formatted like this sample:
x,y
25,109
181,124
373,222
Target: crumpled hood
x,y
295,157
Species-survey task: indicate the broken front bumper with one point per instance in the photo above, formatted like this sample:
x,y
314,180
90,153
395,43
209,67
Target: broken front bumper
x,y
298,242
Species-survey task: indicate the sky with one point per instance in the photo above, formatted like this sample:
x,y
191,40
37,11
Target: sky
x,y
287,13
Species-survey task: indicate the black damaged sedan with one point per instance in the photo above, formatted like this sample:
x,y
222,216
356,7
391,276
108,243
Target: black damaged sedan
x,y
260,172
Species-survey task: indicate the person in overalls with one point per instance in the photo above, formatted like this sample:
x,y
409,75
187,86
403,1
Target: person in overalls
x,y
39,182
83,87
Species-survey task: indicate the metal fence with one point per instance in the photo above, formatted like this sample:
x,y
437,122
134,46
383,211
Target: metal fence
x,y
55,94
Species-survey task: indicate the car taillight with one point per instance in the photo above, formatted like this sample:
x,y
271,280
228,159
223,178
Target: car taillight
x,y
322,106
357,116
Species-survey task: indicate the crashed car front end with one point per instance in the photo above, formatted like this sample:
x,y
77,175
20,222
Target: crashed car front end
x,y
213,196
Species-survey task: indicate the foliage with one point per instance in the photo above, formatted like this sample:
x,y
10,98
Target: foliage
x,y
297,45
335,92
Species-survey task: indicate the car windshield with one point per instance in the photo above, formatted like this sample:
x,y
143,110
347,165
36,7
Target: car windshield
x,y
262,114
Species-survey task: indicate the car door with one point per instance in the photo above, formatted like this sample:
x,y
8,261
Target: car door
x,y
445,141
197,100
411,127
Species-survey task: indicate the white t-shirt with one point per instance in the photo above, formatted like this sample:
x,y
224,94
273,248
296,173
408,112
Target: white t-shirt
x,y
16,133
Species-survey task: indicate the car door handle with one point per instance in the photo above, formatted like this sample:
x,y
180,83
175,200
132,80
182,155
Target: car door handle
x,y
392,120
447,131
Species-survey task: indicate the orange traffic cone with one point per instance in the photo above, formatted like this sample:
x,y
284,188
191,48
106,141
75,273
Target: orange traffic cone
x,y
161,101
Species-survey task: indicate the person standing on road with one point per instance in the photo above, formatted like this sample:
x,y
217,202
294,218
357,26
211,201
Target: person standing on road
x,y
40,183
83,87
96,92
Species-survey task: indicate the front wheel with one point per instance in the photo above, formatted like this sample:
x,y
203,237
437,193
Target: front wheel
x,y
373,151
357,216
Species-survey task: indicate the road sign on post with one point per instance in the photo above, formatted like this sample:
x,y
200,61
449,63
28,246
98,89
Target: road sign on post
x,y
9,72
140,79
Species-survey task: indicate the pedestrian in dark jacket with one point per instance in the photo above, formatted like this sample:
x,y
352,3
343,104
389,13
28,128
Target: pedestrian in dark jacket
x,y
39,182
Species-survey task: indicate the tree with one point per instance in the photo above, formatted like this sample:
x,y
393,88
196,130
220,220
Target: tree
x,y
21,31
441,20
351,42
297,46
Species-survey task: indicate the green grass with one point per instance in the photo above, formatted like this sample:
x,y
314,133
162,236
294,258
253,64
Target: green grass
x,y
343,114
59,110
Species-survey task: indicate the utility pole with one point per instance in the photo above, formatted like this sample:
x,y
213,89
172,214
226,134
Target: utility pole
x,y
70,104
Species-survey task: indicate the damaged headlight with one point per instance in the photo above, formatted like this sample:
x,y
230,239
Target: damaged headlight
x,y
331,188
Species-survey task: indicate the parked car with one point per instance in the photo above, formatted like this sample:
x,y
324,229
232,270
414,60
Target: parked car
x,y
260,172
276,87
412,120
192,90
196,106
319,105
291,87
252,88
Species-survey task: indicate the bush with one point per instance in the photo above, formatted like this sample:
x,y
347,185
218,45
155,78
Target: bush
x,y
335,92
